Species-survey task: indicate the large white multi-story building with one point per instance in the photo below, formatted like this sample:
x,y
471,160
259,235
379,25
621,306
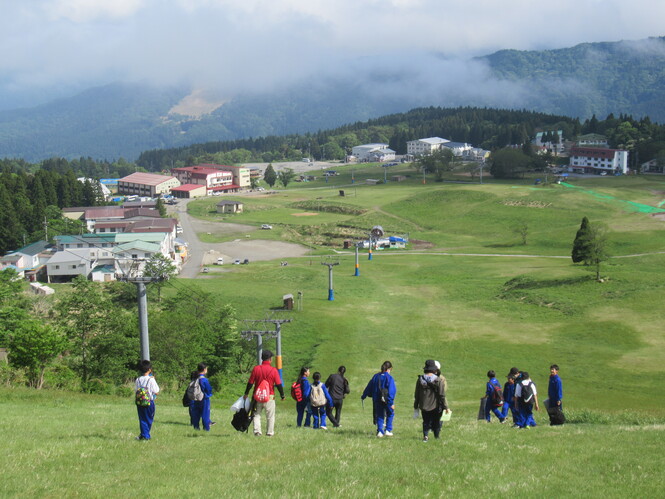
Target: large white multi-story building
x,y
598,160
424,147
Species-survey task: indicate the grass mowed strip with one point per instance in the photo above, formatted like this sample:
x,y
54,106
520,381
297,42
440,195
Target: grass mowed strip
x,y
81,445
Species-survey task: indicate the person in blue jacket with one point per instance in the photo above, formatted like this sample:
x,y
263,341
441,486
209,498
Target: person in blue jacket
x,y
319,410
509,403
200,410
382,389
489,406
303,405
554,392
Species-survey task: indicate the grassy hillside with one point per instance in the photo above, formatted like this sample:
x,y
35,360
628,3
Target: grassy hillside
x,y
84,446
475,298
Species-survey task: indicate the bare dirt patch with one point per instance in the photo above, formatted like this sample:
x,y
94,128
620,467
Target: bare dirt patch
x,y
305,214
418,244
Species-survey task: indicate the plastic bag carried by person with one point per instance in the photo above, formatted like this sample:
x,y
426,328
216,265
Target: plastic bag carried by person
x,y
240,404
445,416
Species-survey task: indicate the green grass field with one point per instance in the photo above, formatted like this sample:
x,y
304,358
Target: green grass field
x,y
448,301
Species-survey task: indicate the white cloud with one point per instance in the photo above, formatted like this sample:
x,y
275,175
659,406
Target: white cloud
x,y
252,44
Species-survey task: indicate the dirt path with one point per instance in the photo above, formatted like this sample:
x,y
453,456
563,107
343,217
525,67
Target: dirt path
x,y
246,246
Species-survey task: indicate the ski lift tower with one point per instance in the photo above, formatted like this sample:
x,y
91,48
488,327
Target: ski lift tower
x,y
330,263
259,334
374,234
133,276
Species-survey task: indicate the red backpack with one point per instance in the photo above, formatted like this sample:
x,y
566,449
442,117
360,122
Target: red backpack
x,y
296,391
262,392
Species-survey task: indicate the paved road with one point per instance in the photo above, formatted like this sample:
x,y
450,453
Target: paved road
x,y
246,246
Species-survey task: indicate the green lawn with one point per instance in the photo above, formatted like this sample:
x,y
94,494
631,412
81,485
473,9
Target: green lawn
x,y
471,312
68,445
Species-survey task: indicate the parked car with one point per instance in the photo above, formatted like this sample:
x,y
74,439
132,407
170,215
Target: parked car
x,y
236,261
245,261
178,230
205,270
220,261
266,226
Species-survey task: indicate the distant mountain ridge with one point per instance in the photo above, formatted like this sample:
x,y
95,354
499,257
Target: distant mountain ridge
x,y
122,119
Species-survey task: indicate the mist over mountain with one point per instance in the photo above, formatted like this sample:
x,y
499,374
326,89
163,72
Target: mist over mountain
x,y
124,119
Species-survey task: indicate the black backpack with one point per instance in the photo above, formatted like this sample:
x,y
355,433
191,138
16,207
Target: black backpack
x,y
240,420
527,396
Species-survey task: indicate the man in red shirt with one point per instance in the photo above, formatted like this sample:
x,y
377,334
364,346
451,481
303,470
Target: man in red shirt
x,y
265,372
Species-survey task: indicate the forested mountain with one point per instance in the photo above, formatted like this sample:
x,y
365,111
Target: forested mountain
x,y
591,78
122,120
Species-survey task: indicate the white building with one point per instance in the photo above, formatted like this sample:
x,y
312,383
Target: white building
x,y
458,148
558,148
598,160
592,140
423,147
373,152
653,166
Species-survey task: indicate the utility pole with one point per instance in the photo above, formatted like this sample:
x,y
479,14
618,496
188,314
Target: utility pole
x,y
357,264
331,293
259,334
142,300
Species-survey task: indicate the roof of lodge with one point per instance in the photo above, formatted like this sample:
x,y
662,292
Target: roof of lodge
x,y
146,178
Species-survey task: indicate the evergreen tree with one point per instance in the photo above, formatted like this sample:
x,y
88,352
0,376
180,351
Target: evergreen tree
x,y
270,176
581,243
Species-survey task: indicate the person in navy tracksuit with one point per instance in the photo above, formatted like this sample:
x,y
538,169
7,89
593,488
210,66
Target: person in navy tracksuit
x,y
146,414
488,398
201,408
384,411
509,403
319,413
526,408
302,407
555,392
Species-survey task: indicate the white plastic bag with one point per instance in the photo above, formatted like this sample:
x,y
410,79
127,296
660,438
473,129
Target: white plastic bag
x,y
239,404
416,414
445,416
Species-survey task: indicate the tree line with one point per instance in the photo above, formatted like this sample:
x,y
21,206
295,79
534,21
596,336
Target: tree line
x,y
87,338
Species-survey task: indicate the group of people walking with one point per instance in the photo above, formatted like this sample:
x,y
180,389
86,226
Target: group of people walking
x,y
318,403
519,395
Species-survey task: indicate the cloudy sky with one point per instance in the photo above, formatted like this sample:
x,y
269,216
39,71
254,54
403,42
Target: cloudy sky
x,y
49,46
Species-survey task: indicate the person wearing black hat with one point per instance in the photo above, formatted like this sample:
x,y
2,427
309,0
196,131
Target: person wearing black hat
x,y
430,398
269,374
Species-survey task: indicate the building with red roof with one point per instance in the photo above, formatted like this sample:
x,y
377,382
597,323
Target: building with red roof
x,y
598,159
216,178
146,184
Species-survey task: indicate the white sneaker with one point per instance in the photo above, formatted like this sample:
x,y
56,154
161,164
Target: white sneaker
x,y
324,428
389,434
379,435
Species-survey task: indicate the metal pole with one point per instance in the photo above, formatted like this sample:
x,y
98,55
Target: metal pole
x,y
278,354
259,348
357,265
369,256
331,293
143,320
